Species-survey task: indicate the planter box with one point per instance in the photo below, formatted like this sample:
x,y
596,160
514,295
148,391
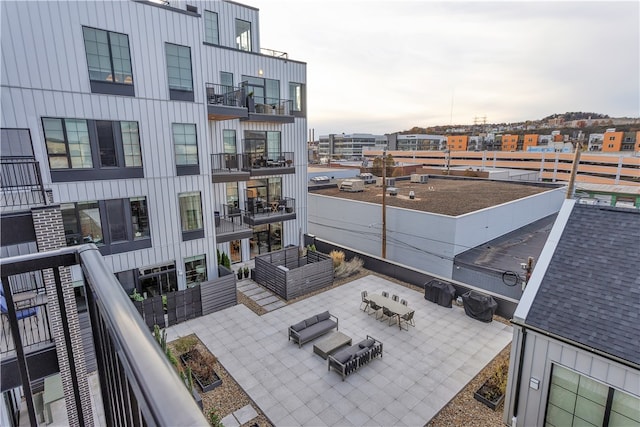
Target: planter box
x,y
493,404
197,398
204,387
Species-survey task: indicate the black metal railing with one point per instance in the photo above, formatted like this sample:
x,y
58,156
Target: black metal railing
x,y
21,182
257,207
137,382
273,106
229,96
223,162
230,220
256,160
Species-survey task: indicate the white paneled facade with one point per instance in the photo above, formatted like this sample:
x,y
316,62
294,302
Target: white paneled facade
x,y
45,74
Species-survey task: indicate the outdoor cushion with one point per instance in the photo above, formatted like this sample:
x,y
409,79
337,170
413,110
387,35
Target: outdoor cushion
x,y
299,326
366,343
323,316
342,356
361,352
311,321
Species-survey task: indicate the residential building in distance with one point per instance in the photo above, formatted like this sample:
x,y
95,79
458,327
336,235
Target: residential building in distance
x,y
416,142
348,146
574,354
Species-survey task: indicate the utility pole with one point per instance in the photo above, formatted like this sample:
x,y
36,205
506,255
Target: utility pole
x,y
528,267
384,204
574,171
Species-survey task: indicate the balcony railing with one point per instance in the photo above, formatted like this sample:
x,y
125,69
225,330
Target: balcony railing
x,y
261,211
229,96
258,160
138,384
223,162
271,106
274,53
21,182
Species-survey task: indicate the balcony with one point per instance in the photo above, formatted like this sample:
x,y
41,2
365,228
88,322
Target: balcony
x,y
21,184
228,168
225,102
266,164
259,211
138,385
271,110
230,226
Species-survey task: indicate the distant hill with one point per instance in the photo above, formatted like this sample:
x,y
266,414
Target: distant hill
x,y
576,115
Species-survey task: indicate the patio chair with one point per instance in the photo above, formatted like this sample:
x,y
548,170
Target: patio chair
x,y
375,307
389,314
404,302
365,301
407,319
385,294
395,297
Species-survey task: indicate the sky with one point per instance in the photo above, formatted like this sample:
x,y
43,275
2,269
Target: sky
x,y
386,66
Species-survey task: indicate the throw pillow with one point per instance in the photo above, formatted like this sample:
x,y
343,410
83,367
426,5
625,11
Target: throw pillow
x,y
323,316
299,326
311,321
366,343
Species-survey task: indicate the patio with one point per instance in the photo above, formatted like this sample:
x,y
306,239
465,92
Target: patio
x,y
422,368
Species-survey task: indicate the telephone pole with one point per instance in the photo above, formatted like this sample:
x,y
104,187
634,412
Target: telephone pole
x,y
384,204
574,171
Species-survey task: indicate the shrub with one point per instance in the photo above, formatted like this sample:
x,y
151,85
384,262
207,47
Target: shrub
x,y
185,344
214,418
349,268
337,257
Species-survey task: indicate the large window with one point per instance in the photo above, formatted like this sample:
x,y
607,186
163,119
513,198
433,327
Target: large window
x,y
185,143
109,61
211,27
116,225
179,72
92,149
195,270
191,215
575,399
229,140
262,145
265,91
243,35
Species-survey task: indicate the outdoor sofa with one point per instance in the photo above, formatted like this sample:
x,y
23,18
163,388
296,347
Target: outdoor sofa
x,y
352,358
313,327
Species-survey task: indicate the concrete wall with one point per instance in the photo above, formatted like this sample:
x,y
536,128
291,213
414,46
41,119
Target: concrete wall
x,y
425,241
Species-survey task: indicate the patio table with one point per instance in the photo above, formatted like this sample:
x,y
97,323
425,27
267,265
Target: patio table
x,y
394,306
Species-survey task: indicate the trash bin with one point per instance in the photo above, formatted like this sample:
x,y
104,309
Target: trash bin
x,y
479,306
439,292
216,215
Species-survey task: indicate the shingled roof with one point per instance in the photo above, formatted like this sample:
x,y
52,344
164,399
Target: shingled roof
x,y
590,292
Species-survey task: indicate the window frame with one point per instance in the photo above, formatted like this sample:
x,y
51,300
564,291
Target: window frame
x,y
105,86
248,45
96,171
179,93
183,169
206,29
297,110
191,233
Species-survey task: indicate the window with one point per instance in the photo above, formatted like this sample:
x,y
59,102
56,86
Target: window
x,y
211,27
229,140
195,270
265,91
179,72
109,62
226,80
116,225
232,197
75,147
575,399
191,216
296,96
265,144
243,35
185,143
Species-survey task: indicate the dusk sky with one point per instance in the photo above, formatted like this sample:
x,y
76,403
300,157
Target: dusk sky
x,y
386,66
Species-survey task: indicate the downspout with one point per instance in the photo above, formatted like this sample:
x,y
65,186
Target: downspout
x,y
516,398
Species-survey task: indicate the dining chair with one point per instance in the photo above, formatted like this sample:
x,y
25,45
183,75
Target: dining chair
x,y
407,319
385,294
389,314
395,297
375,307
365,300
404,302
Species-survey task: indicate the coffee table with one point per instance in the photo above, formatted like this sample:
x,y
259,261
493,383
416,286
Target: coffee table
x,y
331,344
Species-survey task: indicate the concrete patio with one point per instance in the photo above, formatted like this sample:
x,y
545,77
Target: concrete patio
x,y
421,369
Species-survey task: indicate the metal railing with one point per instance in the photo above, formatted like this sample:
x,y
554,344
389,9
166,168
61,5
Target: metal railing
x,y
255,207
21,182
137,382
229,96
230,221
273,106
274,53
257,160
223,162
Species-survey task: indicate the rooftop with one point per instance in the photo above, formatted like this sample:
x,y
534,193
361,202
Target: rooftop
x,y
590,292
444,196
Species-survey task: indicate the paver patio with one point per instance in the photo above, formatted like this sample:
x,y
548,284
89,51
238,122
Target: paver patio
x,y
420,371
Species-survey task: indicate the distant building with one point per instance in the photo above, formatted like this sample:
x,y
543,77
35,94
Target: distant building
x,y
348,146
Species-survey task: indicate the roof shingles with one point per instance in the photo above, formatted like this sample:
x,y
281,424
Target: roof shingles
x,y
590,293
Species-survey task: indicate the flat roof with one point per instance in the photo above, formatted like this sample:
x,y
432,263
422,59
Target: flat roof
x,y
446,196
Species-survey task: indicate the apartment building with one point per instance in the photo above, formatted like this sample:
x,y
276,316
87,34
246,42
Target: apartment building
x,y
164,133
348,146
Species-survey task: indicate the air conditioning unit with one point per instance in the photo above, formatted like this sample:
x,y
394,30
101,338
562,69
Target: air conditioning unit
x,y
419,178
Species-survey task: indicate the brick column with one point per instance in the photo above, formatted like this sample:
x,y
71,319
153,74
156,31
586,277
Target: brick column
x,y
49,229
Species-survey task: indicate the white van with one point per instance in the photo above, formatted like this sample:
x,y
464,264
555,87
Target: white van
x,y
367,178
